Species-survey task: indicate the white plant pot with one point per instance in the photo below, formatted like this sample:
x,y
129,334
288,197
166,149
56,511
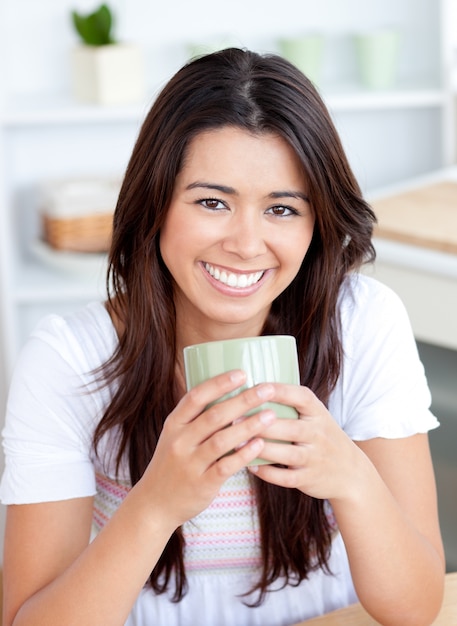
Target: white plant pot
x,y
111,74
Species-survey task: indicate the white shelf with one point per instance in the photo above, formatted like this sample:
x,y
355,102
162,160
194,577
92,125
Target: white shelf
x,y
45,109
36,283
48,109
392,99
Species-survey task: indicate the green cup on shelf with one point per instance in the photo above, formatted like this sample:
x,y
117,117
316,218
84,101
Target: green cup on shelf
x,y
305,52
377,57
199,48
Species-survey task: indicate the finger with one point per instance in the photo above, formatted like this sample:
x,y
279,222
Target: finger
x,y
199,397
299,431
291,478
301,398
233,409
285,453
234,437
229,464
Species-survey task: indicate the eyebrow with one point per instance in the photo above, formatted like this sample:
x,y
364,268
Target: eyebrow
x,y
222,188
276,195
289,194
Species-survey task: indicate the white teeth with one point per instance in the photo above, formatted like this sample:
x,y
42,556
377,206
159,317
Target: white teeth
x,y
243,281
233,280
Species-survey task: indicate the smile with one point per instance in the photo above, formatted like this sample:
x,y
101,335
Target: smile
x,y
231,279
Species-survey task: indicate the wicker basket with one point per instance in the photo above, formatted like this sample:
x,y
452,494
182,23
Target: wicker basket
x,y
90,233
77,216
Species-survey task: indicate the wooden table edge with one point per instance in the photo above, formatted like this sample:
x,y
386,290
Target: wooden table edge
x,y
355,614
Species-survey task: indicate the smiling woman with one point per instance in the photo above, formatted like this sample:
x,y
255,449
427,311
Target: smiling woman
x,y
238,216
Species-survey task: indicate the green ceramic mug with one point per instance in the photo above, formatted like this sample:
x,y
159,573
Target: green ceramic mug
x,y
271,358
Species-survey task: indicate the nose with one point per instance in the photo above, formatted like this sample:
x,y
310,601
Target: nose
x,y
245,236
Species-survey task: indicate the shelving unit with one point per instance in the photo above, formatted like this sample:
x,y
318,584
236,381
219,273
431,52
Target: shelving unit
x,y
99,145
388,135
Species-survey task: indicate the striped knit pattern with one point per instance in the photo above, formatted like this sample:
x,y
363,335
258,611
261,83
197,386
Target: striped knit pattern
x,y
109,496
223,539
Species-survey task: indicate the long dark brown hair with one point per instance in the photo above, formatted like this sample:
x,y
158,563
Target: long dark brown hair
x,y
261,94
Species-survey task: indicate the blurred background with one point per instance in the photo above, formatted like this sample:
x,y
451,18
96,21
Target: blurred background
x,y
69,118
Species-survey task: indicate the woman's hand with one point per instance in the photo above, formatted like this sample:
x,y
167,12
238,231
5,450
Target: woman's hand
x,y
383,496
200,448
323,462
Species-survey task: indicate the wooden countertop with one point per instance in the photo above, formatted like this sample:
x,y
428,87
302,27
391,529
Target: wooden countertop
x,y
425,215
355,615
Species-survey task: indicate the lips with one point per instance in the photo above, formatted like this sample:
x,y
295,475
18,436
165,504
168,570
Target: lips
x,y
232,279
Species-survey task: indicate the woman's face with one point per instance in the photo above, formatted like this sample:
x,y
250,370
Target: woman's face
x,y
236,233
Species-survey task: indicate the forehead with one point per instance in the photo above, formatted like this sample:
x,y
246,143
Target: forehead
x,y
234,153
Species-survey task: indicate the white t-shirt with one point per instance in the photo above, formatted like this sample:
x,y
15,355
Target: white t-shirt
x,y
54,406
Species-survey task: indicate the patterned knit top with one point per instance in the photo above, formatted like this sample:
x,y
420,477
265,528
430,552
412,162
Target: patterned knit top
x,y
225,538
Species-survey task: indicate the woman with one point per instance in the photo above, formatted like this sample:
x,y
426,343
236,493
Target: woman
x,y
238,216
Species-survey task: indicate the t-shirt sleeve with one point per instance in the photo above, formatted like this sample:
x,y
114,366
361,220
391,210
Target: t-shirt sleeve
x,y
48,426
383,390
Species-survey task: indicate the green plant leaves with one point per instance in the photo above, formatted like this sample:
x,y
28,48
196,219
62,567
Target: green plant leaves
x,y
95,28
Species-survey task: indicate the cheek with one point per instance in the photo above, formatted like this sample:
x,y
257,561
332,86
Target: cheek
x,y
296,249
164,245
172,236
170,250
306,239
181,242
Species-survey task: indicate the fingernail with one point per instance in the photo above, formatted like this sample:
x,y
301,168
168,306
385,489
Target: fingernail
x,y
237,376
267,417
257,445
265,391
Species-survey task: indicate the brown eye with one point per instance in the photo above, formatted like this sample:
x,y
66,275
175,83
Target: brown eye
x,y
282,211
212,203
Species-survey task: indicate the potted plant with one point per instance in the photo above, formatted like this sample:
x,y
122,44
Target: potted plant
x,y
105,71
